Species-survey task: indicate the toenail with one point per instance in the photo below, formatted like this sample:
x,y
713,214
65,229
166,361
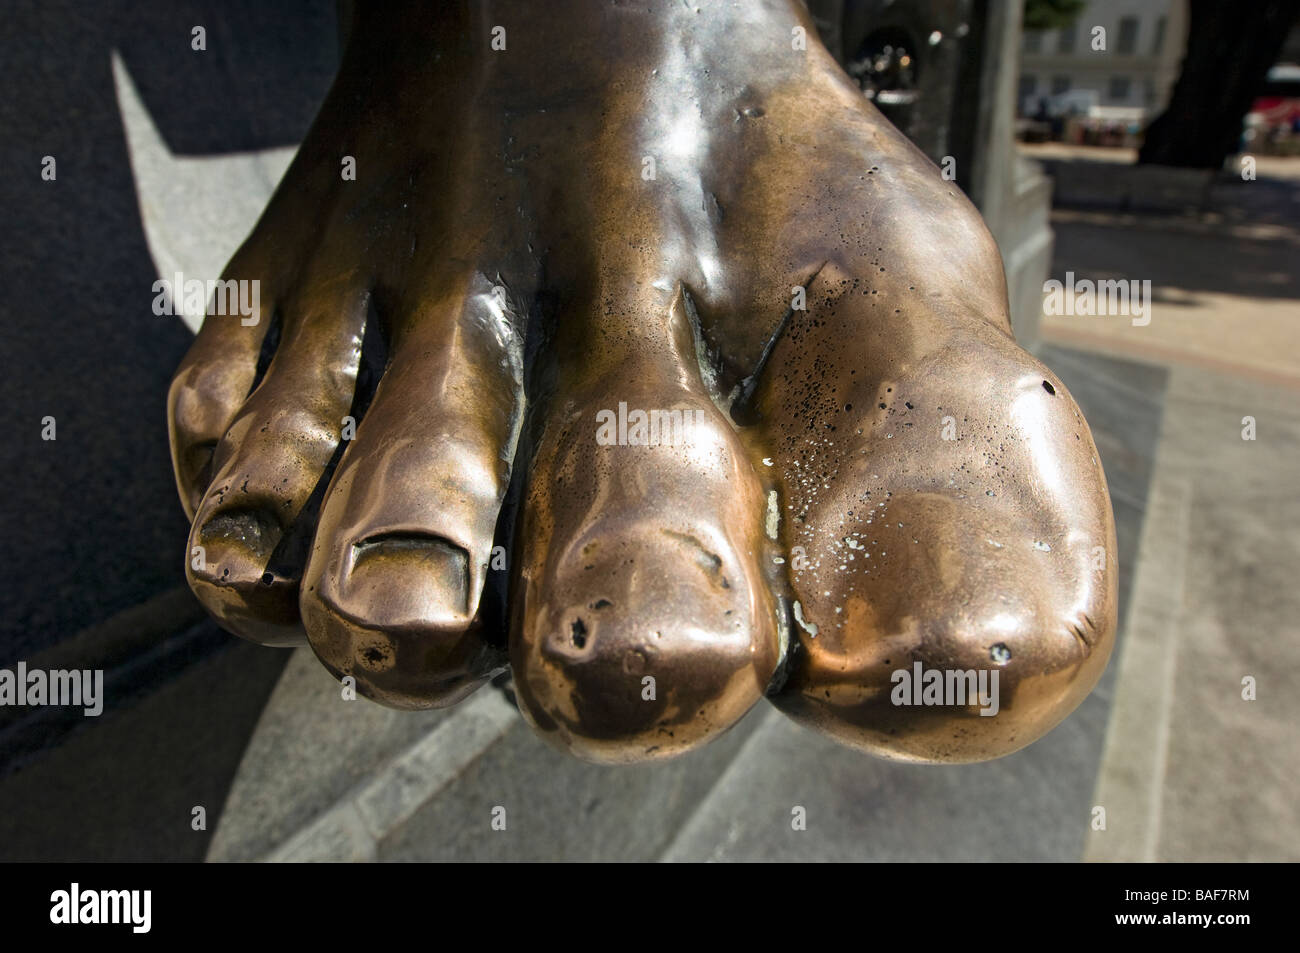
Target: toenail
x,y
407,578
256,530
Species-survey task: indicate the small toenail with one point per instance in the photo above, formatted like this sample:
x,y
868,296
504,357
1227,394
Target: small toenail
x,y
1049,388
253,528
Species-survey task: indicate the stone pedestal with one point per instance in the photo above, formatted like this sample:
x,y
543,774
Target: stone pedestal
x,y
965,70
1012,192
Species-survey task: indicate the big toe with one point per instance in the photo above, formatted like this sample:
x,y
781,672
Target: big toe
x,y
954,564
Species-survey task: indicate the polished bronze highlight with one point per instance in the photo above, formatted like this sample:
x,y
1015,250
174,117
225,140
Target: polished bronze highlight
x,y
561,211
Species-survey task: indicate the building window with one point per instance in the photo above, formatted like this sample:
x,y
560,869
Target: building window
x,y
1118,89
1149,90
1033,41
1159,42
1128,35
1067,39
1060,84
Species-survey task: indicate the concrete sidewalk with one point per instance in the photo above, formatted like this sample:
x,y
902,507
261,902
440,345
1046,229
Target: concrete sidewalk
x,y
1196,767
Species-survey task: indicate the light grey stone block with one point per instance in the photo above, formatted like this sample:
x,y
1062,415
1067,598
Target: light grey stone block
x,y
559,808
310,749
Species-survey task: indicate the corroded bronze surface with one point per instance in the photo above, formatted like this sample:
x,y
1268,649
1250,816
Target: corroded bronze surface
x,y
576,227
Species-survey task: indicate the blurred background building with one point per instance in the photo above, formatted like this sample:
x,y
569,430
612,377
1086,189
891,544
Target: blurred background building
x,y
1128,81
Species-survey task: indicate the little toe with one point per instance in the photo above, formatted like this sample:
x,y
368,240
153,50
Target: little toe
x,y
214,379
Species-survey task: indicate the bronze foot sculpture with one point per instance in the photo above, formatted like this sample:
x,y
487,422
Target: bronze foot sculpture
x,y
628,346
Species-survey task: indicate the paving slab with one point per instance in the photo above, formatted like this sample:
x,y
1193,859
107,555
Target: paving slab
x,y
557,808
1194,771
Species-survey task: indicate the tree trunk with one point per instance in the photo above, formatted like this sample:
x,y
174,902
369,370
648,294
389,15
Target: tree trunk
x,y
1230,47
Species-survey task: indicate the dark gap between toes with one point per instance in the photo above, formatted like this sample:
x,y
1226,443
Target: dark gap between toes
x,y
375,350
539,387
198,463
270,344
290,556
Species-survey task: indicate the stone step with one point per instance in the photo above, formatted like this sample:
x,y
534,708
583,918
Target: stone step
x,y
311,750
557,808
352,828
1033,805
329,779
